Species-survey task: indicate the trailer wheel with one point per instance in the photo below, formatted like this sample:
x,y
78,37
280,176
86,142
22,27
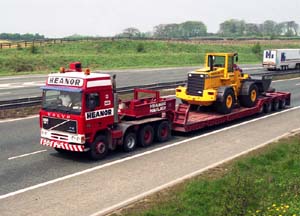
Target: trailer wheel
x,y
275,105
129,142
267,107
250,98
163,131
146,135
282,104
99,148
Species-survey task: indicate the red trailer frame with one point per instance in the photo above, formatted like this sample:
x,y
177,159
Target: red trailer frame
x,y
186,120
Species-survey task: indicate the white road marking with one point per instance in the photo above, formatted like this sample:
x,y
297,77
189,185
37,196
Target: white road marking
x,y
18,119
179,180
253,68
5,93
297,84
28,154
136,156
286,79
21,85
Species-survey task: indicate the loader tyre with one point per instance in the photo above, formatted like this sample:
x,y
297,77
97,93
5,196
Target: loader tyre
x,y
146,135
99,148
225,104
249,99
129,142
163,131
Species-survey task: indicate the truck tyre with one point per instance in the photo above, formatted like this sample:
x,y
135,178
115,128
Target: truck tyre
x,y
282,104
275,105
267,107
146,135
249,99
297,66
163,131
99,148
225,104
129,142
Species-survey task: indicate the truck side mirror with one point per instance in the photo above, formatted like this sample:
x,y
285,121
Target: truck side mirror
x,y
236,58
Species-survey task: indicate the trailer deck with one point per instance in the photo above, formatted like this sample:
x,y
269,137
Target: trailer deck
x,y
186,120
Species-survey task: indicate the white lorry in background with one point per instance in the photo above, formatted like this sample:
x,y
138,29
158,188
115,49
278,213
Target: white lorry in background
x,y
281,59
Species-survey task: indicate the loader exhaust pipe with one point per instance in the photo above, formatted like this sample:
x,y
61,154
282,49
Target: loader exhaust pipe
x,y
116,99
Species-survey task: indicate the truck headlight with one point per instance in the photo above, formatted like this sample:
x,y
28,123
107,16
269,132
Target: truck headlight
x,y
77,139
44,133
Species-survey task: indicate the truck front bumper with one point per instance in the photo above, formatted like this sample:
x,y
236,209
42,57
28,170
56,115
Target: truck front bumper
x,y
62,145
208,97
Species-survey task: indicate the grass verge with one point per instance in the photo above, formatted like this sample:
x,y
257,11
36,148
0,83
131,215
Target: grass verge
x,y
123,54
265,182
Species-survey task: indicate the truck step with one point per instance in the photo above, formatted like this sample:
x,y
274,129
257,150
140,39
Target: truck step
x,y
181,114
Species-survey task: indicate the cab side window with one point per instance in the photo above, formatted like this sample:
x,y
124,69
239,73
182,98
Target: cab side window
x,y
230,64
92,101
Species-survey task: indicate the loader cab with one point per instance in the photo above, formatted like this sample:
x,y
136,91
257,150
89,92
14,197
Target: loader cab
x,y
225,61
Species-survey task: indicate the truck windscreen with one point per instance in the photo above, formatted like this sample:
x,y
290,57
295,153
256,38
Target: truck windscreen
x,y
62,101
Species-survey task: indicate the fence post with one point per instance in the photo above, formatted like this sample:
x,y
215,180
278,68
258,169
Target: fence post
x,y
0,45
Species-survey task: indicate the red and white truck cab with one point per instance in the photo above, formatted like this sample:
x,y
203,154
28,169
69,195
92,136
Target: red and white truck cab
x,y
80,112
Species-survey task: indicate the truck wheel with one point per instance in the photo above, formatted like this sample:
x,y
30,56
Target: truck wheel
x,y
99,148
129,142
163,131
282,104
250,98
275,105
225,106
297,66
267,107
146,135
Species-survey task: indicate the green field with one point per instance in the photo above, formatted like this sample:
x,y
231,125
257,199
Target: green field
x,y
264,183
120,54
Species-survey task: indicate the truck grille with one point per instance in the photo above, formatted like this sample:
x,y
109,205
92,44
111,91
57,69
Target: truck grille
x,y
63,125
195,84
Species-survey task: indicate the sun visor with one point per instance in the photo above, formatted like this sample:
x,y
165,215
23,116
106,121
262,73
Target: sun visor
x,y
61,88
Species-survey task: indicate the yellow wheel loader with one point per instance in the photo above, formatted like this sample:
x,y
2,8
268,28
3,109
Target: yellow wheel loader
x,y
222,84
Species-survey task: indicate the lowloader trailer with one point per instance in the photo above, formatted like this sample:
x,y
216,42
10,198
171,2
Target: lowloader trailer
x,y
81,112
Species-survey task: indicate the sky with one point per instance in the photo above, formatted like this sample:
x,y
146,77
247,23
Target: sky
x,y
59,18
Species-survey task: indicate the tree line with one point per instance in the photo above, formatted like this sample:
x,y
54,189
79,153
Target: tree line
x,y
17,36
229,28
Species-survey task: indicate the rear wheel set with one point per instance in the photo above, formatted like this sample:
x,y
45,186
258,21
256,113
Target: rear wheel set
x,y
249,99
226,103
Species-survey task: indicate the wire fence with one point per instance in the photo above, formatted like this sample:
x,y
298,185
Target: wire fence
x,y
42,42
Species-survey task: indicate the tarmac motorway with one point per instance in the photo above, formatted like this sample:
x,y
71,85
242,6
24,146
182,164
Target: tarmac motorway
x,y
27,86
38,181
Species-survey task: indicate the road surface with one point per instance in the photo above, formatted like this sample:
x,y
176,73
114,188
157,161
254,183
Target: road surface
x,y
73,185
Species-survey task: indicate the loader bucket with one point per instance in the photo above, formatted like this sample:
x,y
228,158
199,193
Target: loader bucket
x,y
263,83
